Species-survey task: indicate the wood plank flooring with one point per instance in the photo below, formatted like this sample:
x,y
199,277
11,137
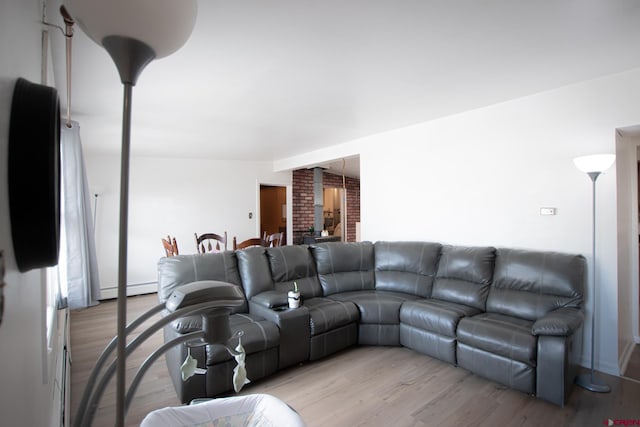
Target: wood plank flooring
x,y
91,330
362,386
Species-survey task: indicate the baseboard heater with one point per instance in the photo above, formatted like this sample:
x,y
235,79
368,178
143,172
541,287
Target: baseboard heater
x,y
111,292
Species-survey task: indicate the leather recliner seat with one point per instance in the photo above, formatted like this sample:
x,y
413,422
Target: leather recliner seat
x,y
260,337
533,311
460,289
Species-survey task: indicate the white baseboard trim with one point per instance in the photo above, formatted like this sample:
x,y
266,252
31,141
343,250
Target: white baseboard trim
x,y
600,366
134,289
626,355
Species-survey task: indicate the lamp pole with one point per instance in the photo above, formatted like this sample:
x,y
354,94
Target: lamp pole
x,y
130,57
593,166
122,255
588,380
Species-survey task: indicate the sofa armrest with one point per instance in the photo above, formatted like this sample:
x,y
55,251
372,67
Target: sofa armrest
x,y
225,294
561,322
559,348
557,366
270,299
294,325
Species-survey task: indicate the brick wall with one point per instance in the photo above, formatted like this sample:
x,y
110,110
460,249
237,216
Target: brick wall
x,y
303,215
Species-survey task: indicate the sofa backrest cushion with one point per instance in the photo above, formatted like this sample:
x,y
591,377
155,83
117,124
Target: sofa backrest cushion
x,y
294,264
464,275
407,267
528,284
255,273
344,267
182,269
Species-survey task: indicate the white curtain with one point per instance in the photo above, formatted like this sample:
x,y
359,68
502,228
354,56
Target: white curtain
x,y
78,265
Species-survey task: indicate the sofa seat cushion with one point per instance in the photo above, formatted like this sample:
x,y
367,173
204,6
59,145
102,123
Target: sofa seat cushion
x,y
506,336
377,307
259,335
433,315
326,314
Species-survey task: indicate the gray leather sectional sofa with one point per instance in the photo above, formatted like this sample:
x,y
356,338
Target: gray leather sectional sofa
x,y
510,315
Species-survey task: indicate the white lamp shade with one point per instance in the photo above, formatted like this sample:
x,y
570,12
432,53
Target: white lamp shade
x,y
163,25
594,162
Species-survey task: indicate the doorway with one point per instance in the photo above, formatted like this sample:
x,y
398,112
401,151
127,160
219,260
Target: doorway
x,y
273,210
334,209
628,216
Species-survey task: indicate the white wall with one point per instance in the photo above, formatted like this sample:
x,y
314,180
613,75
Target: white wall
x,y
27,389
481,177
174,196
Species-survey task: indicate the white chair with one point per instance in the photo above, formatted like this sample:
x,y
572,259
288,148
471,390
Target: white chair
x,y
253,410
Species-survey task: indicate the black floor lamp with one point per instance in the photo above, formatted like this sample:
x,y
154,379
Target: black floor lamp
x,y
133,33
593,166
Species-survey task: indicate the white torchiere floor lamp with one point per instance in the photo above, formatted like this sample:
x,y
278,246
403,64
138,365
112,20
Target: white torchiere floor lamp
x,y
133,33
593,166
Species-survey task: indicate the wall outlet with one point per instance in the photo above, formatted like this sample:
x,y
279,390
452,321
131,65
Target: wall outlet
x,y
547,211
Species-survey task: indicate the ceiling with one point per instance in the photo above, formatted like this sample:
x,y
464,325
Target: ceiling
x,y
268,80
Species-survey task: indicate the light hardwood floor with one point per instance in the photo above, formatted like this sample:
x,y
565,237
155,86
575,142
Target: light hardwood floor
x,y
362,386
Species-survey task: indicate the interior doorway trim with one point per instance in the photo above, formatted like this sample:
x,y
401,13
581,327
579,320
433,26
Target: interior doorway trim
x,y
628,219
289,200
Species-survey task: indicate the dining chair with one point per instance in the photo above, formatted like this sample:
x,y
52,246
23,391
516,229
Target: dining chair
x,y
274,240
211,242
170,246
254,241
